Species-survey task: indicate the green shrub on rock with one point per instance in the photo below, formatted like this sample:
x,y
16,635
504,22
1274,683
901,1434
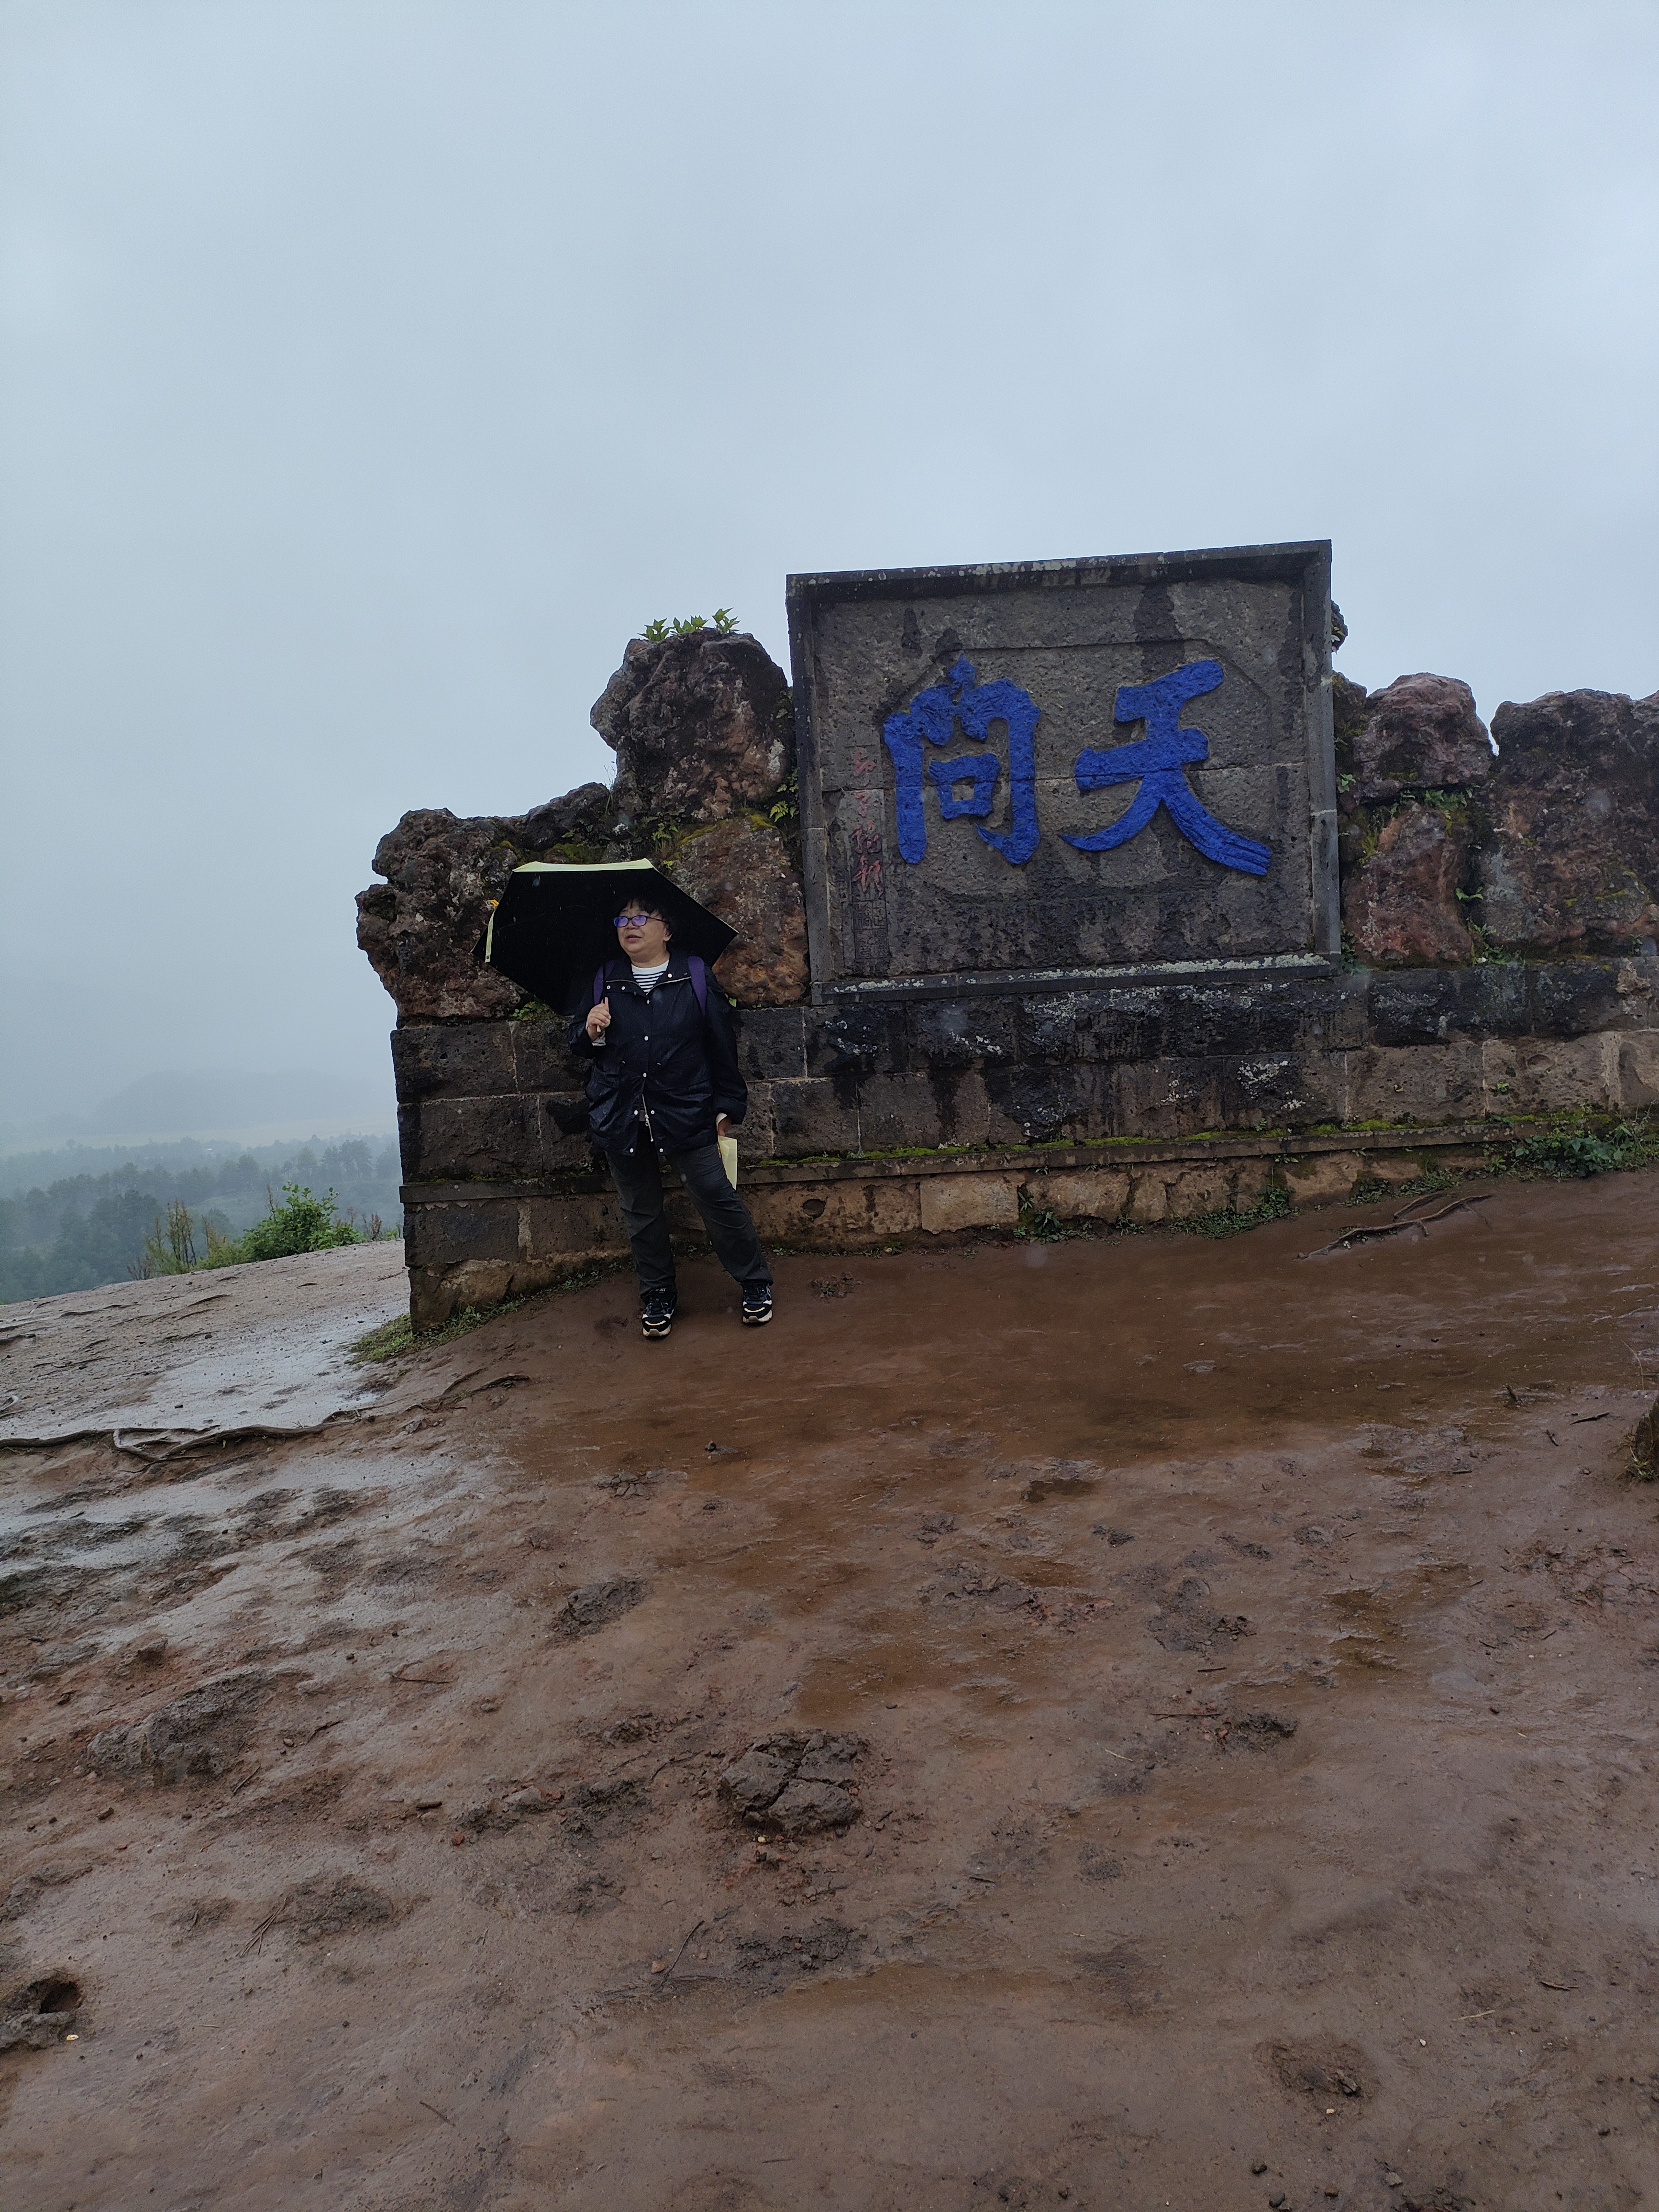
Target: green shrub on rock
x,y
301,1224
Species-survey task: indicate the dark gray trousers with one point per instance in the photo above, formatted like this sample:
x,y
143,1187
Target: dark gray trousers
x,y
638,1177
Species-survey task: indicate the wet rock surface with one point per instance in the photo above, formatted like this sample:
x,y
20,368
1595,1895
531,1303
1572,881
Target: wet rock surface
x,y
1571,860
703,727
1420,732
742,871
1396,1833
1399,903
420,928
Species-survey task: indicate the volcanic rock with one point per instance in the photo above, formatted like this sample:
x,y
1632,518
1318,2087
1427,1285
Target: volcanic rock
x,y
1399,906
703,727
1573,862
1347,720
1420,732
582,815
741,870
420,928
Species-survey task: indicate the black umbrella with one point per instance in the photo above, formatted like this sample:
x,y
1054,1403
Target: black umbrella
x,y
555,925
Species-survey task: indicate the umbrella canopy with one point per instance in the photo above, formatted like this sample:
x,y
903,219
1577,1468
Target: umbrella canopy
x,y
555,924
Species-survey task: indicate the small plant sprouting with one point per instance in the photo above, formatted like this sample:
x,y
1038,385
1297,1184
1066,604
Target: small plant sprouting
x,y
1273,1205
785,810
170,1246
723,623
1041,1224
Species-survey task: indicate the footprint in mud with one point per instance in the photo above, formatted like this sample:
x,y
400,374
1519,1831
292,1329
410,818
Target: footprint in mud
x,y
498,1815
203,1913
319,1908
1095,1864
1184,1620
1331,2075
327,1506
1016,1847
1059,1478
1122,1977
591,1894
604,1809
771,1961
335,1562
1259,1728
1245,1549
596,1605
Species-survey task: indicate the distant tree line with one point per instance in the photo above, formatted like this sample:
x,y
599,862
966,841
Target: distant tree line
x,y
82,1229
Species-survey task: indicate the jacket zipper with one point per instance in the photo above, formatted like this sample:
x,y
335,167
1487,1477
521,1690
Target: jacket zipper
x,y
645,1111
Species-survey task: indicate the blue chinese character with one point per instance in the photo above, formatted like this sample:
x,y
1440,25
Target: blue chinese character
x,y
932,716
1157,764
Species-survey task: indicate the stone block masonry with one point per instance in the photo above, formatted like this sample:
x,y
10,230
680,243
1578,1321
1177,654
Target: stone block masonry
x,y
870,1127
1006,938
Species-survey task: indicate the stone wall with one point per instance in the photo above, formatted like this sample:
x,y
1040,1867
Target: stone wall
x,y
867,1127
1499,913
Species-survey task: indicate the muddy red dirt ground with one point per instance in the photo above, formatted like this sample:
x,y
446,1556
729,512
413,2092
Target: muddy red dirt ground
x,y
1228,1676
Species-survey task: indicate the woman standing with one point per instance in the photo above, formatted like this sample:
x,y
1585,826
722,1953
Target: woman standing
x,y
664,1085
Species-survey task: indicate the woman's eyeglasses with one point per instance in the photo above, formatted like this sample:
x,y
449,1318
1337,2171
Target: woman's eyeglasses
x,y
632,921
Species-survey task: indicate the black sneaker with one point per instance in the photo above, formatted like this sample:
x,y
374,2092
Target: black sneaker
x,y
657,1311
757,1305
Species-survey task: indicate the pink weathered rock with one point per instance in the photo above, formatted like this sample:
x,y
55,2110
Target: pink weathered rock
x,y
742,871
703,727
1573,860
1401,907
1420,732
419,928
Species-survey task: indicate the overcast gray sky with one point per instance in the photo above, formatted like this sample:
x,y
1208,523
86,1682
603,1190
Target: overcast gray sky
x,y
373,369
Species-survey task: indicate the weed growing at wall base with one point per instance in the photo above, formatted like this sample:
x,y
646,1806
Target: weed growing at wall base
x,y
1582,1152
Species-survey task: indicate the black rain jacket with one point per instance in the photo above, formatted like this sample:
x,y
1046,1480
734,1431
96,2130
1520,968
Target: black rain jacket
x,y
661,1050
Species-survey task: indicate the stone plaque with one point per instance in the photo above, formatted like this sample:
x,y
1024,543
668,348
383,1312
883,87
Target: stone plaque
x,y
1034,775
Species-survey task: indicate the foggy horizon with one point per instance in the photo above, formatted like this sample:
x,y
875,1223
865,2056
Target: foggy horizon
x,y
373,372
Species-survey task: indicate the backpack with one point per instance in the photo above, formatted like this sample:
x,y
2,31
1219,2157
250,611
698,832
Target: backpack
x,y
695,961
